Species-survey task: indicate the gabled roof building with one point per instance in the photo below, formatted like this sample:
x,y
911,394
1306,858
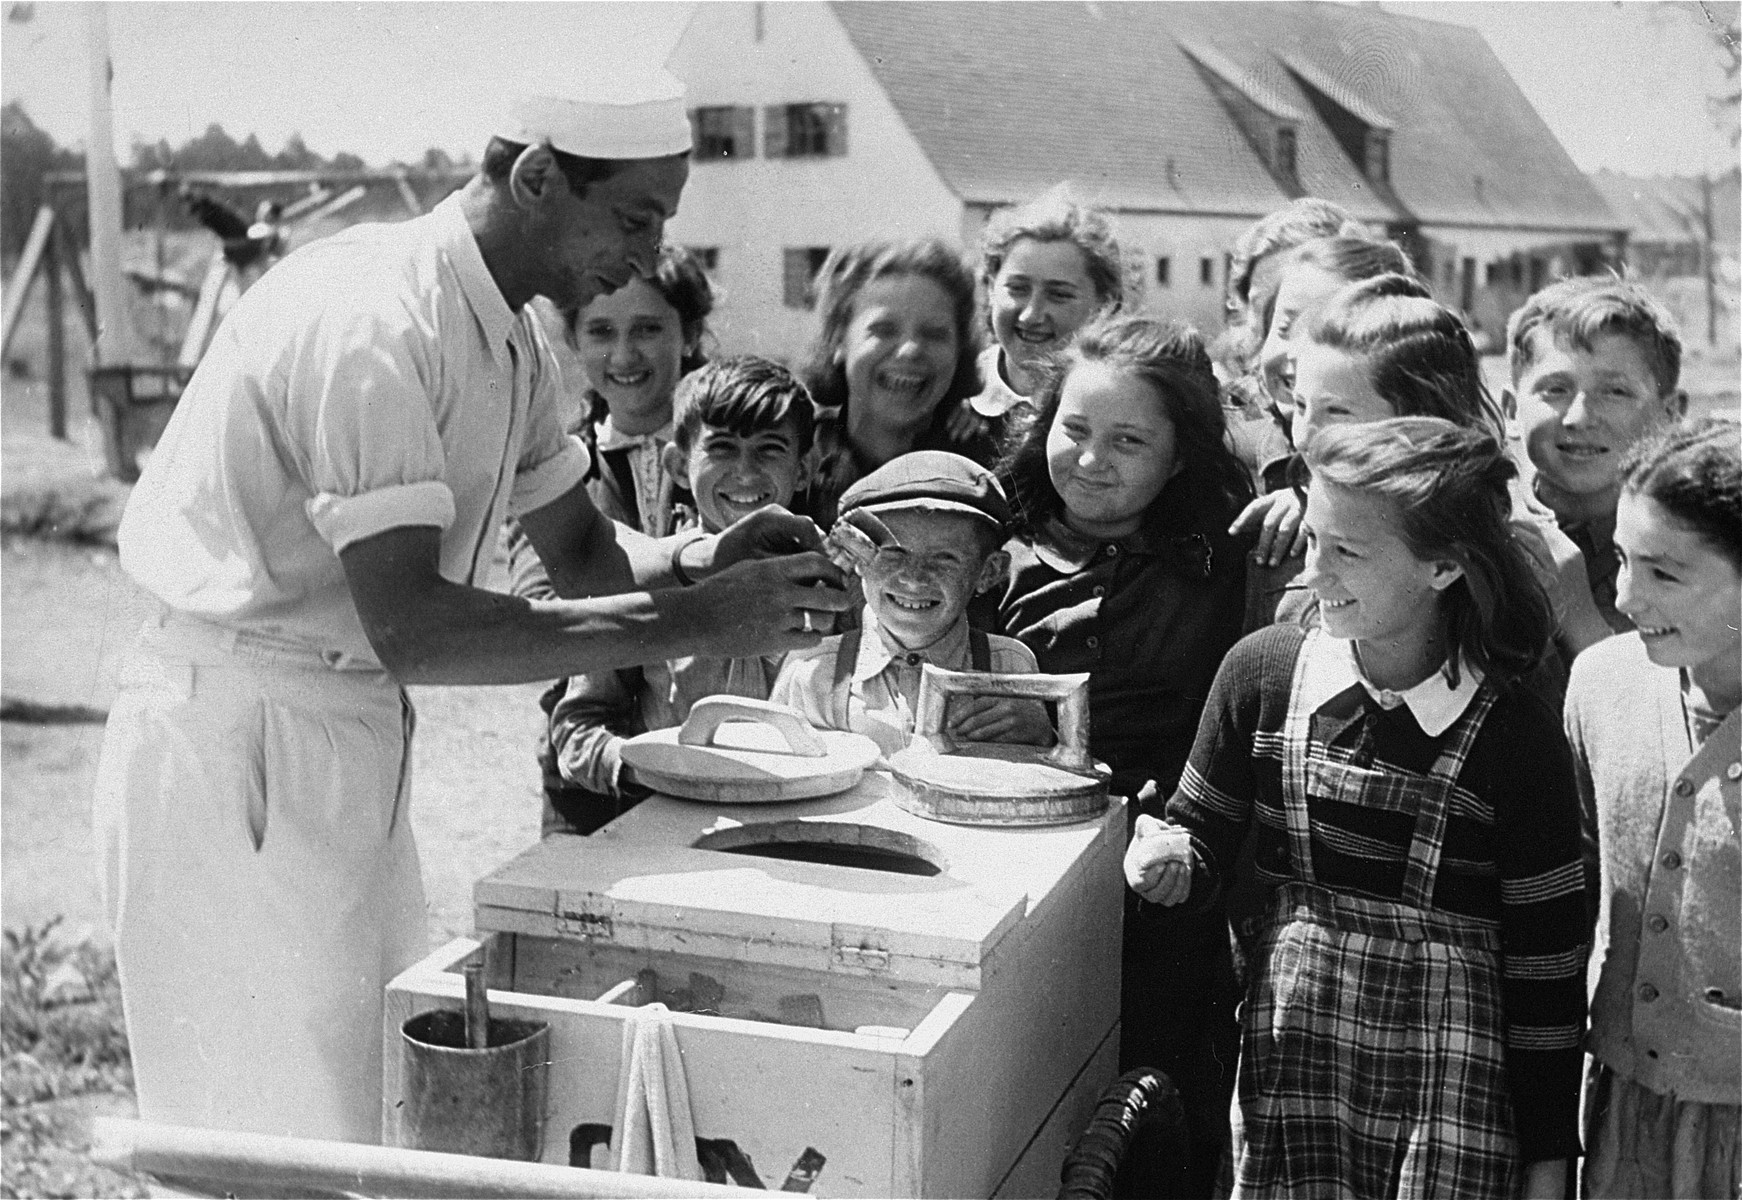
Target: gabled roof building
x,y
1666,219
819,124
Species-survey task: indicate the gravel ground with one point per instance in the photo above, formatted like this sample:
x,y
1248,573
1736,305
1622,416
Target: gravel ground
x,y
69,616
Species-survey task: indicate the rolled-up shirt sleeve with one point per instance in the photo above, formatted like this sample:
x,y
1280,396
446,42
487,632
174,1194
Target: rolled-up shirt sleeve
x,y
537,483
551,461
375,458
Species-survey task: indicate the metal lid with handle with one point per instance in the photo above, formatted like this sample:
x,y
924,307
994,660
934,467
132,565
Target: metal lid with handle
x,y
993,783
736,750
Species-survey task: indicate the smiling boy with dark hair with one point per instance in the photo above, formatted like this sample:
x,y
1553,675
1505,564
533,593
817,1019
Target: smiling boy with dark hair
x,y
740,429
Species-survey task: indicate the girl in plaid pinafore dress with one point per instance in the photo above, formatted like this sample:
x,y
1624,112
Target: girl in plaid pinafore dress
x,y
1413,1023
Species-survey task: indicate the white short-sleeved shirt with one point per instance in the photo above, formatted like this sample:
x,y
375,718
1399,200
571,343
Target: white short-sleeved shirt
x,y
372,380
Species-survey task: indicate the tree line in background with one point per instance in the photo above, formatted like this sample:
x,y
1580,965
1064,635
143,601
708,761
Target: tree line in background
x,y
28,154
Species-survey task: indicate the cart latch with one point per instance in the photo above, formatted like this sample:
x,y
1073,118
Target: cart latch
x,y
860,948
587,926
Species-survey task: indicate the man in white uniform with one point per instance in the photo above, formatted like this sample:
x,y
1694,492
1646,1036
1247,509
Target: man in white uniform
x,y
316,520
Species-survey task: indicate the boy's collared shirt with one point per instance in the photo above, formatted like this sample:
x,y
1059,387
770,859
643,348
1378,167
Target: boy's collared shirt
x,y
1602,572
881,691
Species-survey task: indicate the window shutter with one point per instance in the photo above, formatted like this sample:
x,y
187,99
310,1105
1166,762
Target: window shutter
x,y
837,126
744,132
774,131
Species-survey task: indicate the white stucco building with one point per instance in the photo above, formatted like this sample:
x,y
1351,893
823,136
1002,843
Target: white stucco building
x,y
822,124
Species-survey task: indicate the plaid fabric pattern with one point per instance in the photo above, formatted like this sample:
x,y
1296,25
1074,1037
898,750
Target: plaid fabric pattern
x,y
1373,1048
1371,1057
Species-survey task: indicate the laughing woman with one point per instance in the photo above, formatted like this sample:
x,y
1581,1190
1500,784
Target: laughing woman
x,y
893,358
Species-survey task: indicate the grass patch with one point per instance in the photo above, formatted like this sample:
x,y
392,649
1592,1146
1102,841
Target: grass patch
x,y
84,513
63,1056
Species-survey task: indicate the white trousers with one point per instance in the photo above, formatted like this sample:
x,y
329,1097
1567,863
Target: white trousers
x,y
259,873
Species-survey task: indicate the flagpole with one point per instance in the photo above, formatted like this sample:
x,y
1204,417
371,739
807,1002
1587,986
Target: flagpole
x,y
108,287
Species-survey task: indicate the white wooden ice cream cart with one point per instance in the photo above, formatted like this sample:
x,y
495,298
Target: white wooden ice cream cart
x,y
867,1002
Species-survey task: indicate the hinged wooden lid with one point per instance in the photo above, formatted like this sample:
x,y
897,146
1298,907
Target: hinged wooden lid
x,y
644,883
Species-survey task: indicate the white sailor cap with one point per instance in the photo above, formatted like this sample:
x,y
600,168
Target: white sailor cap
x,y
620,112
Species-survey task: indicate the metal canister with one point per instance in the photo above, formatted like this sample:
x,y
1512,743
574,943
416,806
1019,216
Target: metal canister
x,y
489,1102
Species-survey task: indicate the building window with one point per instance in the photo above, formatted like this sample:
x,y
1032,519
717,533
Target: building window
x,y
722,134
1206,271
1163,269
1378,163
804,130
1286,154
799,273
707,256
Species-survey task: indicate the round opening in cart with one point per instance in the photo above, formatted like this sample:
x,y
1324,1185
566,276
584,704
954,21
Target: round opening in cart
x,y
831,843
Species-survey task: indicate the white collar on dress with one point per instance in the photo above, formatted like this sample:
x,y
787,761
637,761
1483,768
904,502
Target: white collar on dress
x,y
877,650
1436,705
996,397
610,439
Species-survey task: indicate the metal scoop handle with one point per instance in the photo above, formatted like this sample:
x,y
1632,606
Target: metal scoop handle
x,y
856,537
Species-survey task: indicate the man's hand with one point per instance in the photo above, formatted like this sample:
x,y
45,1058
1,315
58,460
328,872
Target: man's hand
x,y
1560,568
1277,519
763,606
999,719
766,533
1158,862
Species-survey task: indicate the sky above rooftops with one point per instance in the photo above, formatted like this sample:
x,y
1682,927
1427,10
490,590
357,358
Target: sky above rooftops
x,y
1623,85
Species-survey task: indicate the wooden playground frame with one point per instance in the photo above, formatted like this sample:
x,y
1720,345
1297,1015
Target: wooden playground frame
x,y
132,400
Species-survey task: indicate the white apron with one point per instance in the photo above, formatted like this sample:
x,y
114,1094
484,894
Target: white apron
x,y
259,872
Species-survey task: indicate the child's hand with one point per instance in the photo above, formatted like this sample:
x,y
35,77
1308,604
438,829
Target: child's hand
x,y
1158,862
998,719
964,423
1560,568
1277,519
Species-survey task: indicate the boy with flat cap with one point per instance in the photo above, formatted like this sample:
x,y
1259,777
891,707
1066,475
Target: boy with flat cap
x,y
948,516
317,523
